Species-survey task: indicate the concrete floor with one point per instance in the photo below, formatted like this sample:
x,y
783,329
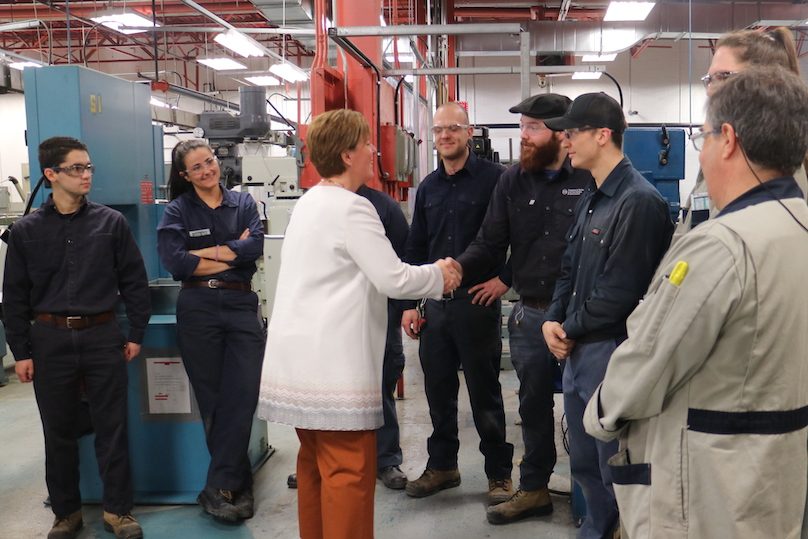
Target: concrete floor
x,y
453,514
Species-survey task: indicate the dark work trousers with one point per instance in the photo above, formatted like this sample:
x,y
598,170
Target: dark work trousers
x,y
63,360
584,371
222,345
459,333
537,370
388,443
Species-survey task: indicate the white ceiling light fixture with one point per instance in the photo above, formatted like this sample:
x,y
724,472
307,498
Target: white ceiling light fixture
x,y
586,75
289,72
263,80
628,11
239,43
598,57
121,20
160,103
221,64
19,66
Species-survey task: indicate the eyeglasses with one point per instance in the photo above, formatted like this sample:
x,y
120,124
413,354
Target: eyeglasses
x,y
199,167
76,170
569,133
532,128
697,138
453,128
719,76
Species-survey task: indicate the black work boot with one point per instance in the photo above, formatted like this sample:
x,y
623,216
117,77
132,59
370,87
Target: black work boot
x,y
219,504
245,503
393,477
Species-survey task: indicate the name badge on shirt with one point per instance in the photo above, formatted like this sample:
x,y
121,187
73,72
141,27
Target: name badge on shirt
x,y
199,233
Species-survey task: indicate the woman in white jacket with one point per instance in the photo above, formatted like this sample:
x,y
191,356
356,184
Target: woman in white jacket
x,y
322,367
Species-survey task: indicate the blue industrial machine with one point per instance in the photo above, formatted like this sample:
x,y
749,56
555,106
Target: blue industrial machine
x,y
659,154
169,456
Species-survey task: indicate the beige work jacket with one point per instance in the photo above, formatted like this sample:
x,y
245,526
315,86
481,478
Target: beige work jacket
x,y
685,222
702,392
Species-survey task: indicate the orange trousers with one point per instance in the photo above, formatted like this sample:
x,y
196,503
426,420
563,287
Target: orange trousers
x,y
336,484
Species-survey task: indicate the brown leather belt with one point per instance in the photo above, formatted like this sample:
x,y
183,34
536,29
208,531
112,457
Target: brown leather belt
x,y
216,283
535,303
74,322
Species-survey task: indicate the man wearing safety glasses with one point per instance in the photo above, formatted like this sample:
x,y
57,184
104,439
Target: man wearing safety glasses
x,y
530,211
449,206
709,395
622,228
66,265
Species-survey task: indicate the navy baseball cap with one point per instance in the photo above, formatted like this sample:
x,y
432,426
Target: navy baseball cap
x,y
543,106
591,110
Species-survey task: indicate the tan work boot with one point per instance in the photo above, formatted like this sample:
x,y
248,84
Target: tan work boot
x,y
123,526
432,481
523,504
499,490
67,527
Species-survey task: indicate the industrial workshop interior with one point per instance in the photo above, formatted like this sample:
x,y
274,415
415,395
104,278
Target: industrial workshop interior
x,y
156,162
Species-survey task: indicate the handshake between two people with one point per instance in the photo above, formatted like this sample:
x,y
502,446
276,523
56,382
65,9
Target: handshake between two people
x,y
452,273
412,320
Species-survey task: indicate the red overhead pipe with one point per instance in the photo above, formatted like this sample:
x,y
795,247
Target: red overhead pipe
x,y
321,36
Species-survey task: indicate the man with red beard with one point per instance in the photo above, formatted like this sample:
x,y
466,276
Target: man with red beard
x,y
449,206
530,211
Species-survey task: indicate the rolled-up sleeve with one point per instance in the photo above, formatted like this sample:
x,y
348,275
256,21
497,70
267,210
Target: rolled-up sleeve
x,y
172,247
250,249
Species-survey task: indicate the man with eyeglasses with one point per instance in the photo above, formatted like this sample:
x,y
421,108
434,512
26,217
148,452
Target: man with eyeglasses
x,y
709,394
530,211
66,265
621,229
456,331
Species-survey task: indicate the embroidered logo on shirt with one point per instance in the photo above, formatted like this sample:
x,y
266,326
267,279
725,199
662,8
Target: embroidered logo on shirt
x,y
596,232
199,233
572,192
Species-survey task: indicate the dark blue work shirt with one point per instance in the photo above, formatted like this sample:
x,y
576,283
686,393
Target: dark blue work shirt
x,y
531,213
72,265
189,224
620,233
449,210
391,216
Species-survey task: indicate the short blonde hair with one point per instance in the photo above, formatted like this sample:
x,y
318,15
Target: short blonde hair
x,y
332,133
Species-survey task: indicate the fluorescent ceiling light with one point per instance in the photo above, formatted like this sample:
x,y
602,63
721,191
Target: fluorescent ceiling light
x,y
289,72
160,103
598,57
116,21
22,65
403,58
586,75
628,11
263,80
221,64
239,43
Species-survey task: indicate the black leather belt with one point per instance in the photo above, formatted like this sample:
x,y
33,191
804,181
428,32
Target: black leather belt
x,y
535,303
74,322
216,283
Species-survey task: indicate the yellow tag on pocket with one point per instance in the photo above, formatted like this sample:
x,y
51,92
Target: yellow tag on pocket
x,y
679,272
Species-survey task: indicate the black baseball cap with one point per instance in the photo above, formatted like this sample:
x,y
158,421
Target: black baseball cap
x,y
591,110
543,106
